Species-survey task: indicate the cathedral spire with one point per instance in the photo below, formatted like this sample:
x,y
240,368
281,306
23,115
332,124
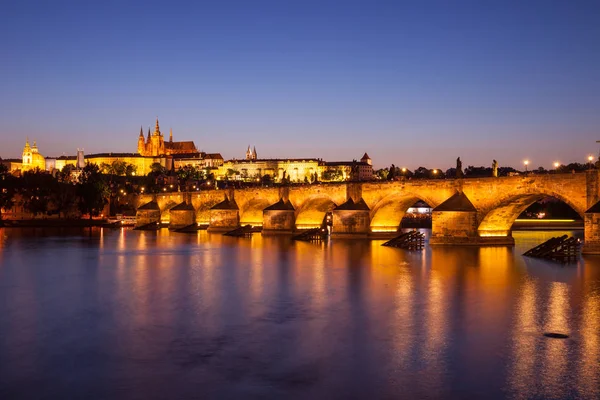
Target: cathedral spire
x,y
170,134
141,132
148,134
157,128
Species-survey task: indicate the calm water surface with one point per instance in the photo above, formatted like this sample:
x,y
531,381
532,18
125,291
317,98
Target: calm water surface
x,y
142,315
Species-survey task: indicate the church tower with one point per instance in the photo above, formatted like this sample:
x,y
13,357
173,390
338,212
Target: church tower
x,y
248,153
171,135
141,143
27,155
156,142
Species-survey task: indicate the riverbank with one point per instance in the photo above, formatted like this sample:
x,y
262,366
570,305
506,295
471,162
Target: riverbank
x,y
53,223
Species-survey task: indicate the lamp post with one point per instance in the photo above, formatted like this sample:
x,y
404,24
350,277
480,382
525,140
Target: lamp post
x,y
590,159
526,162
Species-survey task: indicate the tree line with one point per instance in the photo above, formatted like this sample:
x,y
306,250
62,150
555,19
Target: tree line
x,y
41,193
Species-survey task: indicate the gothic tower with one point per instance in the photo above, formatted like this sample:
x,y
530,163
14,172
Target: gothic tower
x,y
156,142
141,143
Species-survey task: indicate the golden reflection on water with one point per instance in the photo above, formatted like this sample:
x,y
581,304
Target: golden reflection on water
x,y
404,315
434,346
413,318
556,351
589,357
525,336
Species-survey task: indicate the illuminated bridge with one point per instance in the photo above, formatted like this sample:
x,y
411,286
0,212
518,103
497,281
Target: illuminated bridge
x,y
465,211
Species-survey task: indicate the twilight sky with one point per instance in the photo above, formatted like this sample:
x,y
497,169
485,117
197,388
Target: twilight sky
x,y
410,82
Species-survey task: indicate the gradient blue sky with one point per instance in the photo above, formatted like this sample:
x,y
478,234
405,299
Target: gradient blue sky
x,y
412,83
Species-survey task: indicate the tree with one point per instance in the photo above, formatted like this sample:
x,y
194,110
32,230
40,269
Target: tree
x,y
65,174
130,170
157,169
92,191
382,174
8,185
332,175
35,191
422,173
477,172
391,173
266,180
63,197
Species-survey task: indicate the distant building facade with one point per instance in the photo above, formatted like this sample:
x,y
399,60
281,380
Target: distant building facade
x,y
295,170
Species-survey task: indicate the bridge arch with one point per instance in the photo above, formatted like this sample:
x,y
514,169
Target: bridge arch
x,y
388,212
251,212
497,219
165,209
312,211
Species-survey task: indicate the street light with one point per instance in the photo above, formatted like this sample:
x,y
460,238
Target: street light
x,y
590,159
526,162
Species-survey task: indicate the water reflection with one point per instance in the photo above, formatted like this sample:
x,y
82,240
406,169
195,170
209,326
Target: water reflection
x,y
160,314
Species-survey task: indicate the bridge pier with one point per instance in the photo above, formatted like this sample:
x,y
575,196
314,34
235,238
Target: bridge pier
x,y
454,222
182,215
351,220
224,216
148,213
591,244
279,218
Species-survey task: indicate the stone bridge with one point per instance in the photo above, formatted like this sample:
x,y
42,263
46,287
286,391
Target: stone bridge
x,y
465,211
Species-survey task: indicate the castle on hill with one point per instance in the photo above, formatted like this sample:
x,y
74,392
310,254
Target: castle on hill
x,y
155,145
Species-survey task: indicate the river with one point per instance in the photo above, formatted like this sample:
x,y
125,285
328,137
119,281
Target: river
x,y
122,314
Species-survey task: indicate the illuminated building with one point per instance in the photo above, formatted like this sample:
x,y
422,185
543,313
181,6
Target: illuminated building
x,y
155,145
32,158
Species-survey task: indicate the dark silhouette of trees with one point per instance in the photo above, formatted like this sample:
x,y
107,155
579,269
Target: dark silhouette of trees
x,y
391,173
35,189
92,191
8,186
478,172
422,173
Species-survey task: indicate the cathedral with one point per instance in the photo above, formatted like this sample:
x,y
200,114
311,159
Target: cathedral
x,y
155,145
32,158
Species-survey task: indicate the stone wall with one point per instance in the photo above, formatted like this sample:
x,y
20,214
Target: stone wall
x,y
278,221
351,223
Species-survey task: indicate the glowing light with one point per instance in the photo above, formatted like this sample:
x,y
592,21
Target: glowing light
x,y
493,234
556,164
544,220
590,158
403,169
435,171
379,230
